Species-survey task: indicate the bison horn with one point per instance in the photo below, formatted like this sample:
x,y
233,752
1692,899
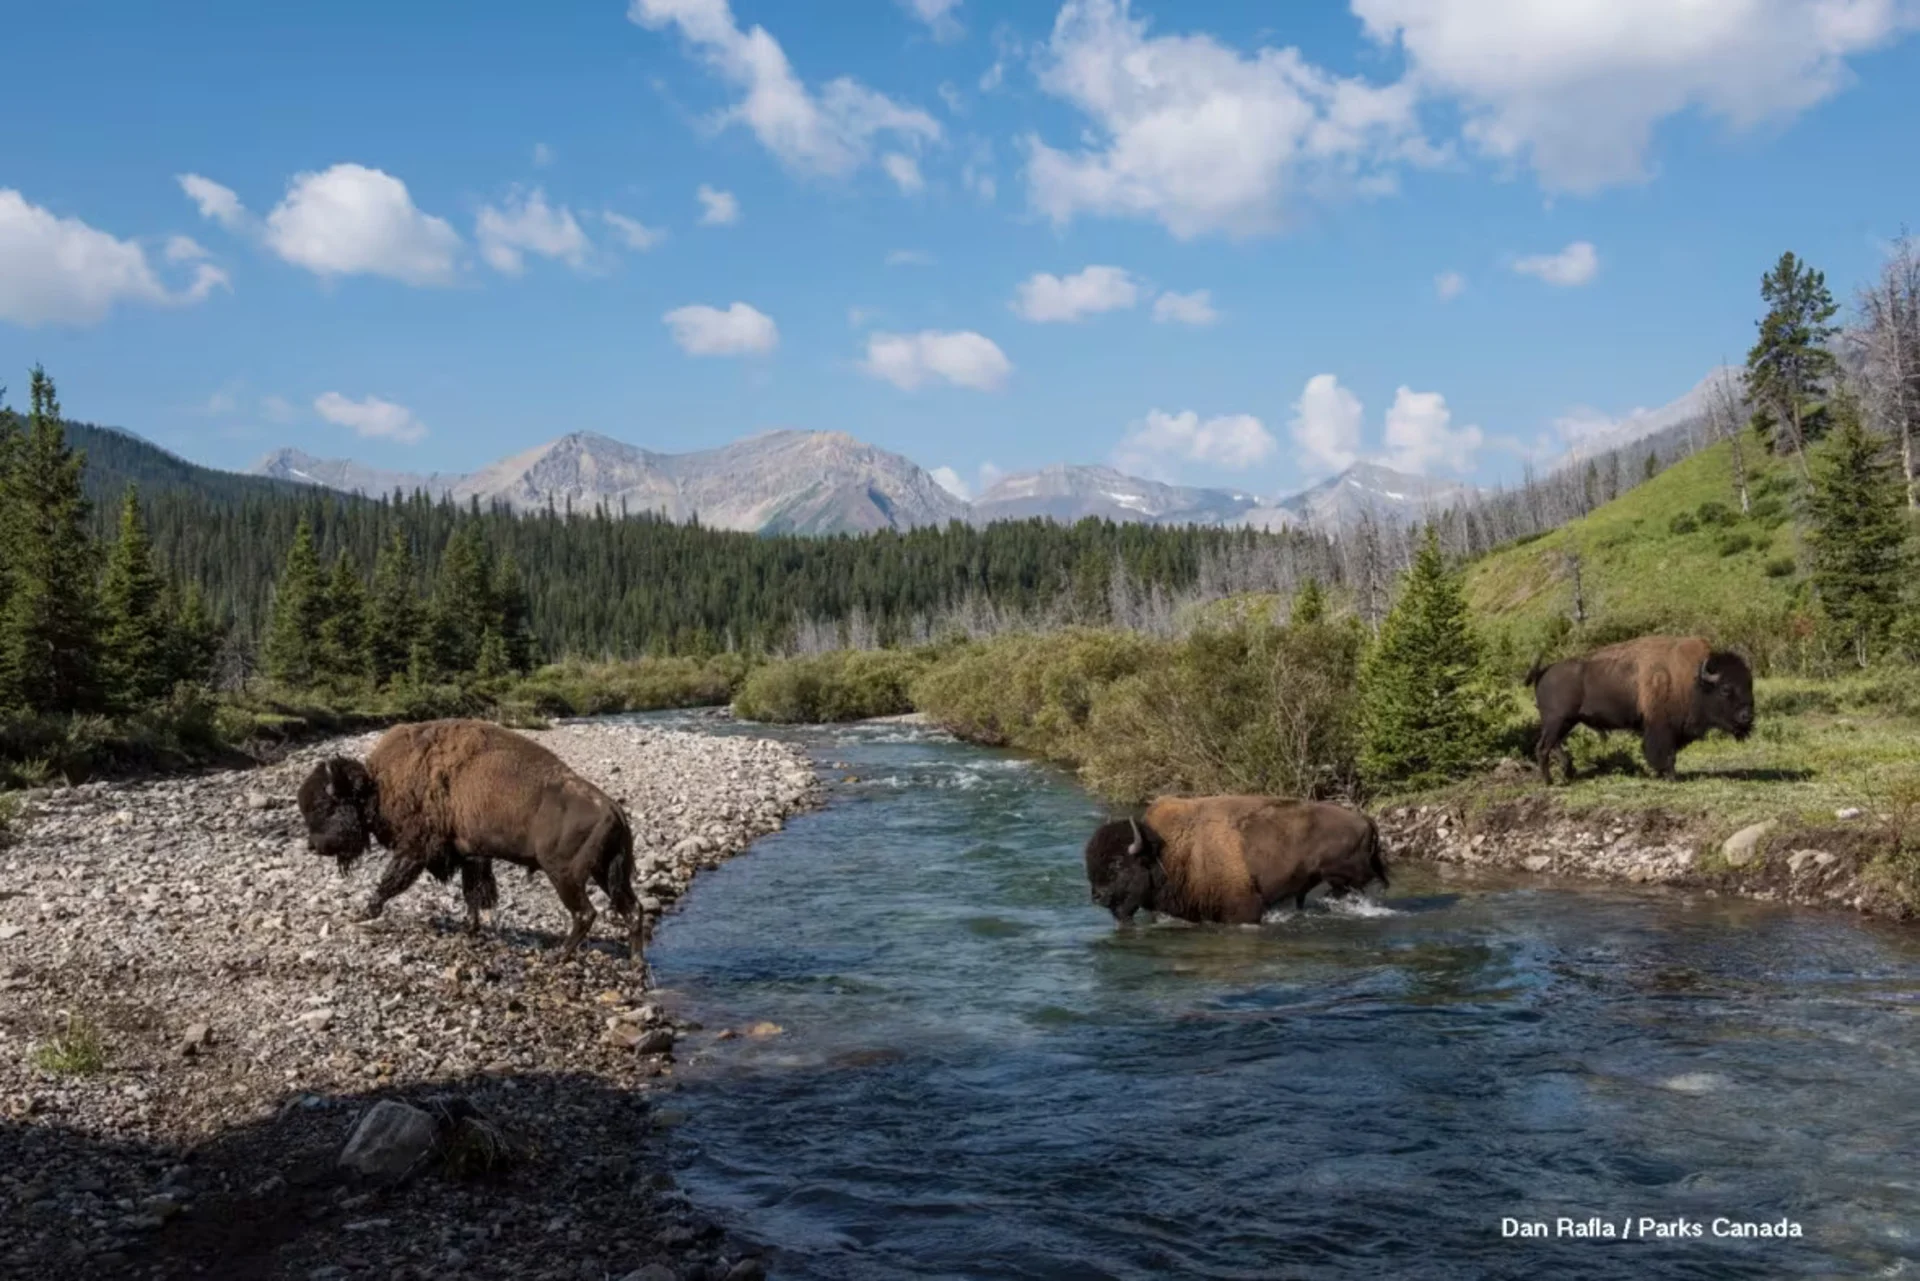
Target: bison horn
x,y
1138,840
1707,675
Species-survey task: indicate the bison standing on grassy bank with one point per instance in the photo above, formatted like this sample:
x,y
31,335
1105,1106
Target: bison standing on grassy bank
x,y
1670,689
1229,858
454,794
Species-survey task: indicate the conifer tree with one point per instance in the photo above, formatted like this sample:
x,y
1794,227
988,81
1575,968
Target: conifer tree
x,y
1309,604
9,446
1789,362
134,640
514,614
1858,542
1425,712
50,631
462,605
492,662
193,638
343,633
393,623
292,649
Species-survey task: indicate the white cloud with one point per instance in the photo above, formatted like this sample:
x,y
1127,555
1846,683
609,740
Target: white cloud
x,y
950,95
909,258
949,479
1232,441
633,233
828,133
217,203
938,15
1575,265
542,155
1195,308
527,224
1193,134
1575,89
372,418
905,172
184,249
1449,285
963,358
717,208
1044,298
1420,434
60,271
740,330
350,220
976,175
1326,424
277,409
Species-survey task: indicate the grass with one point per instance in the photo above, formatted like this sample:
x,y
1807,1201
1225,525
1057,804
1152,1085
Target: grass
x,y
78,1050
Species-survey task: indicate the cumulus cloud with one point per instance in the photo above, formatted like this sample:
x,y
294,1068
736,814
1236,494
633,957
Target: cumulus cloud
x,y
1191,133
371,418
1575,90
905,172
217,203
1449,285
1195,308
1326,424
938,15
962,358
633,233
828,133
527,224
60,271
1231,441
739,330
1575,265
717,208
351,220
949,479
542,155
1420,434
1045,298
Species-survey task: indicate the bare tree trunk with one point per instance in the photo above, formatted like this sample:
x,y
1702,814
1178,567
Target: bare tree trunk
x,y
1724,410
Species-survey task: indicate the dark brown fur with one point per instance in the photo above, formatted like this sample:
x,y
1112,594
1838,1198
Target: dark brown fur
x,y
1671,690
458,794
1230,858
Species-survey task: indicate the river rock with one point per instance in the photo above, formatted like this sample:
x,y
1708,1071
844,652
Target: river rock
x,y
1800,860
1743,846
1537,863
391,1139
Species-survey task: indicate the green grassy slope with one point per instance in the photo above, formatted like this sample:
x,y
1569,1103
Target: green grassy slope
x,y
1674,554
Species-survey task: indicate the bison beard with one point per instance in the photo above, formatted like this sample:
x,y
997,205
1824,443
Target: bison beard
x,y
455,795
1229,858
1672,690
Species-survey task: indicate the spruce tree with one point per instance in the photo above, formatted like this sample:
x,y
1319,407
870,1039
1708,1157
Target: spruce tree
x,y
513,613
462,605
9,447
1789,362
343,633
132,607
393,623
50,631
1309,604
1857,542
1426,716
292,649
193,638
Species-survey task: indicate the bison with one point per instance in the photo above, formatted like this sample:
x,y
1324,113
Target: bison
x,y
456,794
1670,689
1229,858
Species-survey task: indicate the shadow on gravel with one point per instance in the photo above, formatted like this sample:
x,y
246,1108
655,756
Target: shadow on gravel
x,y
586,1198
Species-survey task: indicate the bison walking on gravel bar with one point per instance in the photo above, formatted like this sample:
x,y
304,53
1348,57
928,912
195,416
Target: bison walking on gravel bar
x,y
1671,690
1229,858
457,794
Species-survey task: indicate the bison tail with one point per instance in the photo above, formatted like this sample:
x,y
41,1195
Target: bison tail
x,y
1378,863
1538,670
620,871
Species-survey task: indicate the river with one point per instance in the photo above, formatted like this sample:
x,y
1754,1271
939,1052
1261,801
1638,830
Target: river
x,y
978,1075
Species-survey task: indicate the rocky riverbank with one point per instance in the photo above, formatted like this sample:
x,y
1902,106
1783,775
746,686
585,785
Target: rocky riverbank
x,y
192,1019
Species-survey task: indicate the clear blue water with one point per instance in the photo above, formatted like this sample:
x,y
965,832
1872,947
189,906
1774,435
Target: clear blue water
x,y
978,1075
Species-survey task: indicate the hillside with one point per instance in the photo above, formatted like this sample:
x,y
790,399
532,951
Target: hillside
x,y
1671,554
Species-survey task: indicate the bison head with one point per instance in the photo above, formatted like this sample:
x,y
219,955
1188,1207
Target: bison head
x,y
1121,859
1725,685
337,803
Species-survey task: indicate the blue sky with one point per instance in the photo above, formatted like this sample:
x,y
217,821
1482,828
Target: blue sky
x,y
1206,241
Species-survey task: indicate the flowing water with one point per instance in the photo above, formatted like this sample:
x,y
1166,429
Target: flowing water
x,y
978,1075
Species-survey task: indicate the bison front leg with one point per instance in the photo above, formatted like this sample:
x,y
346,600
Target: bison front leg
x,y
401,872
478,889
1661,751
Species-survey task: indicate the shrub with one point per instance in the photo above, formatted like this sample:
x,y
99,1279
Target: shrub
x,y
77,1050
1712,513
1684,523
1032,692
1769,512
1781,567
1735,543
845,685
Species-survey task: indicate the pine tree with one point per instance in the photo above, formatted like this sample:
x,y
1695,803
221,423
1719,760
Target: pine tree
x,y
393,623
193,638
134,640
1789,362
343,633
293,649
462,605
1858,541
1425,712
1650,468
50,632
9,449
514,614
492,662
1309,604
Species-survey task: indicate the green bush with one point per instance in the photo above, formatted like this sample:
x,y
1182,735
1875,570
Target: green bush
x,y
1684,523
846,685
1032,692
1769,512
1712,513
1735,543
1781,567
644,685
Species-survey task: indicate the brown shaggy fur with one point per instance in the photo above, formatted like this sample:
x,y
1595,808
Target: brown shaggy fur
x,y
1671,689
441,794
1230,858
